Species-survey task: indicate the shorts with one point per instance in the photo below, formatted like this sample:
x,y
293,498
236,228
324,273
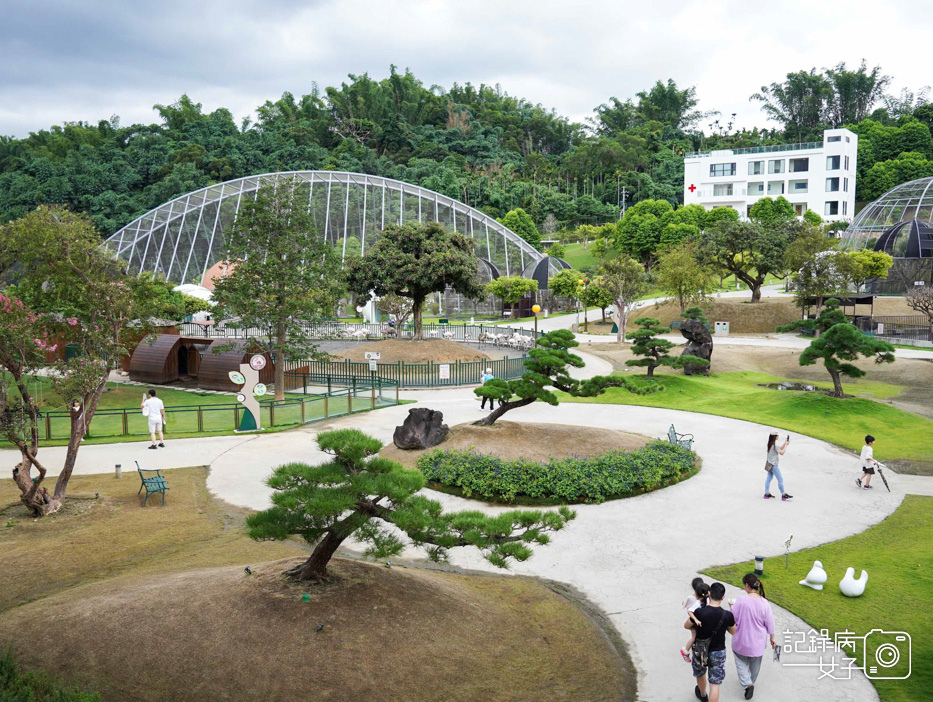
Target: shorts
x,y
716,665
155,423
868,470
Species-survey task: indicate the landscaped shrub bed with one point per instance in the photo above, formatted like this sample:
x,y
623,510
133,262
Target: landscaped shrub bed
x,y
575,479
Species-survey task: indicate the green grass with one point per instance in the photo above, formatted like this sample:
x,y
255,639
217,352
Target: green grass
x,y
578,257
20,685
901,435
899,596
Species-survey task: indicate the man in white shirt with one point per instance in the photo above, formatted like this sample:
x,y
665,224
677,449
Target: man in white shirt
x,y
154,409
868,463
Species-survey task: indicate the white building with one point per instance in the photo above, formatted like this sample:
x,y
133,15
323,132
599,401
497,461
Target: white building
x,y
818,176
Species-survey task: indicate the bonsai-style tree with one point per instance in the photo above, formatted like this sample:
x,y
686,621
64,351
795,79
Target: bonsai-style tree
x,y
920,299
748,250
841,343
69,289
511,288
282,274
655,351
354,493
683,276
414,261
625,280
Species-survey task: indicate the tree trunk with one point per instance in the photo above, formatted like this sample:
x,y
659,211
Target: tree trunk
x,y
315,568
491,418
281,338
756,292
837,383
417,304
650,372
79,425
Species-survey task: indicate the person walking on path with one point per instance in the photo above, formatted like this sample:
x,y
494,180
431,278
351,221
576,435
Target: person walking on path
x,y
868,463
709,650
754,623
774,470
487,375
154,409
698,597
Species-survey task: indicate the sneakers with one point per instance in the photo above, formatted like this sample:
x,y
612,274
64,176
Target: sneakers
x,y
161,445
749,691
153,448
785,497
696,691
858,482
868,487
769,496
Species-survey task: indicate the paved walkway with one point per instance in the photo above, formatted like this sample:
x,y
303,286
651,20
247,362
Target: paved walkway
x,y
634,557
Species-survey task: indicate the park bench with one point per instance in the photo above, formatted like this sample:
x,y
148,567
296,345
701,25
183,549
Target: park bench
x,y
685,440
155,483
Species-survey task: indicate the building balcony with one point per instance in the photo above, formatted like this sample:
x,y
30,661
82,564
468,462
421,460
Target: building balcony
x,y
773,148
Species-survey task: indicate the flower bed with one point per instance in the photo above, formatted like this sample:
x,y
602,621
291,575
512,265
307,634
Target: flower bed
x,y
575,479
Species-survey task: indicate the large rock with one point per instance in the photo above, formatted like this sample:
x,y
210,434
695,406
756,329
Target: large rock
x,y
423,428
700,344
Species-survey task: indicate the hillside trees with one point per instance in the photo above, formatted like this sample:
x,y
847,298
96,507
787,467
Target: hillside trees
x,y
748,250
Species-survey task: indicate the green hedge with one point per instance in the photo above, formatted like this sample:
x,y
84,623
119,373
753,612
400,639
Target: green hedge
x,y
578,478
17,685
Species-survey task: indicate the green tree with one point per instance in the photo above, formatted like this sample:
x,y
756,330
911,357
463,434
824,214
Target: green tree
x,y
812,218
841,343
645,342
519,222
767,211
566,283
867,265
282,274
638,233
683,276
854,93
748,250
414,261
799,103
67,288
357,492
557,250
510,289
396,307
625,280
597,294
723,213
166,302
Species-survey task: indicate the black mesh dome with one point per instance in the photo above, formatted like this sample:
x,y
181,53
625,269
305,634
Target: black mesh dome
x,y
543,270
913,239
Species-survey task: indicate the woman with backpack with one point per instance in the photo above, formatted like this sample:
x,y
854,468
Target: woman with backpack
x,y
754,623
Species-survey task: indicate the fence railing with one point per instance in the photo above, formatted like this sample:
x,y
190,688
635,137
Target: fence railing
x,y
300,374
471,333
897,328
340,399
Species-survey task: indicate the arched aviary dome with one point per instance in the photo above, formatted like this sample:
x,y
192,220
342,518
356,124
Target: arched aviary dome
x,y
544,269
911,239
184,238
907,201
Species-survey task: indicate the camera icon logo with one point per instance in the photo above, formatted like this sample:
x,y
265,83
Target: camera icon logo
x,y
887,655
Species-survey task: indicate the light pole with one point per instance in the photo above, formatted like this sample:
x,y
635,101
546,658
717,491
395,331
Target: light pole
x,y
583,283
536,309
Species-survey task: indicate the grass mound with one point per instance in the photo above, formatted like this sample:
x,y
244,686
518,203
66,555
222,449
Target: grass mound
x,y
535,442
395,350
744,317
899,595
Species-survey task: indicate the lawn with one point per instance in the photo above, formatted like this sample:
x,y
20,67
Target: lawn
x,y
901,435
580,258
899,596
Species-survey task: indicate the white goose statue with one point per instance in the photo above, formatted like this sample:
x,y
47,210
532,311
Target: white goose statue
x,y
851,587
816,577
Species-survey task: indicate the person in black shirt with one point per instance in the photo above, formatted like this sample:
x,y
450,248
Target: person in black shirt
x,y
714,623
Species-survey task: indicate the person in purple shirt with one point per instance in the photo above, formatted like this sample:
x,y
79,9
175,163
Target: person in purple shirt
x,y
754,623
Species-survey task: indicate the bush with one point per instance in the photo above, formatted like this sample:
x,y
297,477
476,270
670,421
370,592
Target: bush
x,y
17,685
578,478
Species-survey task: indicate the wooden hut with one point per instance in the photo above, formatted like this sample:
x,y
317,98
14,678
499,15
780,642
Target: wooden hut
x,y
216,367
165,358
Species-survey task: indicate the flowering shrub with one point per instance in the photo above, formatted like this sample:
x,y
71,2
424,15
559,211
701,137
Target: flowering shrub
x,y
577,478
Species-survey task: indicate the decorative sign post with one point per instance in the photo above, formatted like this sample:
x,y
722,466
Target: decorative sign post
x,y
248,377
787,550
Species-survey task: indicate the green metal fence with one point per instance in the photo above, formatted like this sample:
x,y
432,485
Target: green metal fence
x,y
340,399
410,375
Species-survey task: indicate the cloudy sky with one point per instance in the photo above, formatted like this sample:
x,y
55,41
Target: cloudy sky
x,y
62,60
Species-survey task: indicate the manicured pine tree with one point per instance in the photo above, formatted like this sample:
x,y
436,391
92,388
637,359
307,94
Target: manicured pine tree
x,y
645,342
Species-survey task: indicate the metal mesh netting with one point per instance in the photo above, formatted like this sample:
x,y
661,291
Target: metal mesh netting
x,y
911,200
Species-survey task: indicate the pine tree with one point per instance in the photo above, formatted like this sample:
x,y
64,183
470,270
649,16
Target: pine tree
x,y
645,342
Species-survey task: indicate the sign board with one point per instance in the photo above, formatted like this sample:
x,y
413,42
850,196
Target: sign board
x,y
443,371
372,365
880,329
372,356
257,362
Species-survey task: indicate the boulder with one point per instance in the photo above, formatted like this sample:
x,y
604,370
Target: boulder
x,y
423,428
700,344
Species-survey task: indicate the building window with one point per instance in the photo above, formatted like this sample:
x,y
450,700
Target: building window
x,y
834,138
832,185
722,169
720,189
832,163
798,186
756,167
847,163
845,185
832,208
776,166
847,140
756,188
798,210
799,165
845,207
776,187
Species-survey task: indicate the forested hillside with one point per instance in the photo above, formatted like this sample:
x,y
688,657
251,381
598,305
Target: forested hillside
x,y
479,144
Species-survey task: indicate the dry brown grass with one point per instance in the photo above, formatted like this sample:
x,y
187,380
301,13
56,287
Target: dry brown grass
x,y
395,350
744,317
536,442
154,604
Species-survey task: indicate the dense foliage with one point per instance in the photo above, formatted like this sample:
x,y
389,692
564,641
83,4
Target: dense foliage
x,y
578,478
477,144
20,685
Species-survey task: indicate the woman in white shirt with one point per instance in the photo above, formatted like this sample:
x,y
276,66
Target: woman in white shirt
x,y
868,463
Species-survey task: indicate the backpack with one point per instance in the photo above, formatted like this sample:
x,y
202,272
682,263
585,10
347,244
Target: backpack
x,y
700,648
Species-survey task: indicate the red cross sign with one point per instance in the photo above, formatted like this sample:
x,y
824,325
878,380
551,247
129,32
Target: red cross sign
x,y
692,187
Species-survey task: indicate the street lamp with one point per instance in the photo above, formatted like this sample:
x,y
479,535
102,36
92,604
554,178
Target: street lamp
x,y
583,283
536,309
